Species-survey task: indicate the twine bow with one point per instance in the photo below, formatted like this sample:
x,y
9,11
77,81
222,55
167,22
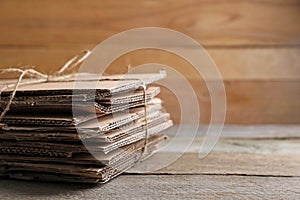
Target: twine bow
x,y
40,77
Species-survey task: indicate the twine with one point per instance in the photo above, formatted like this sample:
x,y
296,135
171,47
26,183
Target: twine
x,y
144,148
41,77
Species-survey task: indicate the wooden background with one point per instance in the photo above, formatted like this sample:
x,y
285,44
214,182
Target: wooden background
x,y
255,44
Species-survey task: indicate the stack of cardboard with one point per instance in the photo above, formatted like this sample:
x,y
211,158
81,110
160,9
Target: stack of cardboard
x,y
56,131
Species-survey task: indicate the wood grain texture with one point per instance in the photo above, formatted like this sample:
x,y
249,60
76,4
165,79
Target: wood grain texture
x,y
233,64
159,187
214,23
225,164
251,157
274,131
248,101
238,144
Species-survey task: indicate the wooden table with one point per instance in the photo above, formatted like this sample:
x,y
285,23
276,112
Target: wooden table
x,y
263,162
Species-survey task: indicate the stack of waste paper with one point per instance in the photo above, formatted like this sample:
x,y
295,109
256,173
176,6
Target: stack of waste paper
x,y
80,131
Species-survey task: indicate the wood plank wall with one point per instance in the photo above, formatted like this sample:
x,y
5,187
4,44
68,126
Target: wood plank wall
x,y
255,44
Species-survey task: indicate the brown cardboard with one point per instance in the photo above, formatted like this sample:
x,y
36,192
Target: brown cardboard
x,y
71,172
40,138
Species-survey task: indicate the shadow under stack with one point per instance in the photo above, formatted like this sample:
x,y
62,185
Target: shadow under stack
x,y
42,139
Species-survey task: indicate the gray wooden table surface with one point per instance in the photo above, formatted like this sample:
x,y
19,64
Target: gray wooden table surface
x,y
262,162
